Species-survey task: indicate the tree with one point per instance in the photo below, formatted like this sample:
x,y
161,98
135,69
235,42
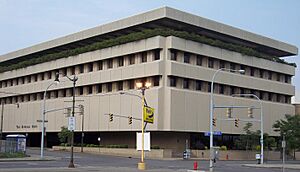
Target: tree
x,y
64,135
249,140
289,127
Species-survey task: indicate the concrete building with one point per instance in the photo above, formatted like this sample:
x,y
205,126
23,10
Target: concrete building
x,y
176,51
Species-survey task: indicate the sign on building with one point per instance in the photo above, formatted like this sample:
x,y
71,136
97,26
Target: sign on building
x,y
71,123
148,114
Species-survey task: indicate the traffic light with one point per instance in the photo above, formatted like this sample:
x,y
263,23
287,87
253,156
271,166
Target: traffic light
x,y
228,112
81,109
250,112
214,121
130,120
111,117
236,122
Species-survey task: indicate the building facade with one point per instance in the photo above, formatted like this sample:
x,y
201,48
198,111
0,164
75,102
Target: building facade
x,y
177,52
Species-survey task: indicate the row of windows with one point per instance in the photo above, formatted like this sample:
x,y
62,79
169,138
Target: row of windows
x,y
83,90
205,86
211,62
131,59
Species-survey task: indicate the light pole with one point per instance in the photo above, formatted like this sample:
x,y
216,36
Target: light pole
x,y
212,111
142,87
74,79
261,124
56,81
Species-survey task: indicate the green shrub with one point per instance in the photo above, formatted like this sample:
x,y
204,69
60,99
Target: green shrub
x,y
135,36
223,148
155,147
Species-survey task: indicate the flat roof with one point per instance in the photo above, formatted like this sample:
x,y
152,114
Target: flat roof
x,y
161,17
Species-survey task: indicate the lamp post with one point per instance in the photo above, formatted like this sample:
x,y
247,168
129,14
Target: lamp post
x,y
56,81
74,79
212,111
142,87
261,124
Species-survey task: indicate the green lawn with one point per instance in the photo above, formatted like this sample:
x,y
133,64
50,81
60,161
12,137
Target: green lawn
x,y
12,155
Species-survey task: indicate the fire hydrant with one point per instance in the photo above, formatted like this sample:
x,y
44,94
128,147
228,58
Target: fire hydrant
x,y
195,165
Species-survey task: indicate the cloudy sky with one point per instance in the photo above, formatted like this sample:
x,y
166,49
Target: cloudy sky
x,y
28,22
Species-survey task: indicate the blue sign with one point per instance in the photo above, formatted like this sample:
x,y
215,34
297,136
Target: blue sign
x,y
216,133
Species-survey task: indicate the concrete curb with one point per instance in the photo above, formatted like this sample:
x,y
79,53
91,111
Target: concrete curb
x,y
34,158
286,166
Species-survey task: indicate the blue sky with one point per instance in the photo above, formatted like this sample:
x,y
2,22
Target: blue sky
x,y
28,22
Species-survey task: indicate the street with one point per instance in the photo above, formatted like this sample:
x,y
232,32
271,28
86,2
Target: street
x,y
91,162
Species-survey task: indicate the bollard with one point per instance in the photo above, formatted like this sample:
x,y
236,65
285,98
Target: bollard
x,y
195,165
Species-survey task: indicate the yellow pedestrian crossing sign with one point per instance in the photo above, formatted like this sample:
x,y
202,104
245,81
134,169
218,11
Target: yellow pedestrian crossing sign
x,y
148,114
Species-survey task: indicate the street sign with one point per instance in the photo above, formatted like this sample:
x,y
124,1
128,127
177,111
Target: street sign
x,y
216,133
283,144
146,141
41,120
71,123
148,114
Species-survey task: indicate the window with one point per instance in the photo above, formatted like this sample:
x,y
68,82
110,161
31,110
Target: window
x,y
198,85
210,63
80,90
109,63
269,75
252,71
186,58
73,70
172,81
81,68
221,89
157,55
35,78
49,75
156,81
222,64
232,67
208,87
186,83
243,68
286,78
278,77
261,73
232,90
144,57
131,84
131,59
90,67
121,61
99,88
199,60
109,87
90,89
242,91
120,85
173,55
100,65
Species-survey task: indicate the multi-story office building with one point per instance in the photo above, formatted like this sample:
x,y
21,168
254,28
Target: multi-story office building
x,y
177,52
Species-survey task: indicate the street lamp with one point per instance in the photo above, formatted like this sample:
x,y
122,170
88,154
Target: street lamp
x,y
261,124
142,86
56,81
74,79
212,111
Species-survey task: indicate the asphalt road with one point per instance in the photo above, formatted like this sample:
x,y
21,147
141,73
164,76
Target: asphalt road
x,y
92,162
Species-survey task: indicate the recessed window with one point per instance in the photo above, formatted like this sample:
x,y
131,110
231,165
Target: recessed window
x,y
109,63
186,83
131,84
252,71
261,73
35,77
198,85
156,54
173,81
80,90
199,60
210,63
99,88
29,79
221,89
186,58
156,81
232,67
109,87
73,70
144,57
173,55
90,67
208,87
232,90
121,61
131,59
286,78
269,75
222,64
278,77
90,89
243,68
120,85
100,65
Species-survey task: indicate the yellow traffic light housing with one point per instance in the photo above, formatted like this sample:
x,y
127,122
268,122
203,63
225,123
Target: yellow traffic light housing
x,y
111,117
236,122
130,120
214,121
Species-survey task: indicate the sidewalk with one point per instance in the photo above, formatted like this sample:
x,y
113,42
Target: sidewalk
x,y
287,166
30,158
